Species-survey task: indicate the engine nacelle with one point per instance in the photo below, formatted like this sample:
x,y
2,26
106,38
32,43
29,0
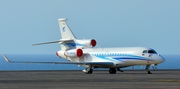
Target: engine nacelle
x,y
86,43
93,42
74,53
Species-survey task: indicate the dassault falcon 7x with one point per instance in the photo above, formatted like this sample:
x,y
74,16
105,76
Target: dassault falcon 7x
x,y
84,53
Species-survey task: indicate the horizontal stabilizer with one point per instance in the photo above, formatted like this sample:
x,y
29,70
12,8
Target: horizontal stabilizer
x,y
51,42
78,63
46,43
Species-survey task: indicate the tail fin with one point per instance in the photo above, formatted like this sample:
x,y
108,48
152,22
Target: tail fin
x,y
67,36
66,32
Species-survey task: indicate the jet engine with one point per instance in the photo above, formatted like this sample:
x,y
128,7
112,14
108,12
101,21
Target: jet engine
x,y
86,43
74,53
93,42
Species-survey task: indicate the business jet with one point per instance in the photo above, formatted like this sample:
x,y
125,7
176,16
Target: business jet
x,y
84,53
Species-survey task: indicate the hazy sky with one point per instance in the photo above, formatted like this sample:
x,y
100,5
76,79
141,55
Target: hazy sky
x,y
113,23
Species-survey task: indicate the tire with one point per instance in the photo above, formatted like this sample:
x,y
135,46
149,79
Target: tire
x,y
112,70
90,71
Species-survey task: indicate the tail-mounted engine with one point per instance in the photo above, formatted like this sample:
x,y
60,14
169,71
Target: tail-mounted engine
x,y
76,43
74,53
70,53
86,43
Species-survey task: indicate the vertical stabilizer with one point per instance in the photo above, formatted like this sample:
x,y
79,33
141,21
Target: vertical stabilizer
x,y
66,33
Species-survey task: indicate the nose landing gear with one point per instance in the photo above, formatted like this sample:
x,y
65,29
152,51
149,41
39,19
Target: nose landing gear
x,y
154,67
147,69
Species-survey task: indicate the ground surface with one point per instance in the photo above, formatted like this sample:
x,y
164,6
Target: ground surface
x,y
161,79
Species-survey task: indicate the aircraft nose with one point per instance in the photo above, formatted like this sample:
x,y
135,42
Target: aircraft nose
x,y
161,59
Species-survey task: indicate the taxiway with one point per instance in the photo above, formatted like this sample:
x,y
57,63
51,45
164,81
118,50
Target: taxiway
x,y
161,79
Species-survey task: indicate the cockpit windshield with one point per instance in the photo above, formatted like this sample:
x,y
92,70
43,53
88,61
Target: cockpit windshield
x,y
150,51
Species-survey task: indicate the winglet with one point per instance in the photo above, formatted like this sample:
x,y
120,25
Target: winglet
x,y
6,58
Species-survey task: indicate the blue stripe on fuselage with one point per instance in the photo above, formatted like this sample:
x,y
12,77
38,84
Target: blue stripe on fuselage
x,y
122,58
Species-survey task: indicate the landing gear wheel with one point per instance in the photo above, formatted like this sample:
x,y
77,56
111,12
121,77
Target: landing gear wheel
x,y
90,71
112,70
149,72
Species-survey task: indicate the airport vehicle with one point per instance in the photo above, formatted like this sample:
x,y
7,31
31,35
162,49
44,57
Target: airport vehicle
x,y
84,53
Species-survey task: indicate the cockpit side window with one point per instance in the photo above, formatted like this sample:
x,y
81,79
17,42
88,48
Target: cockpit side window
x,y
152,51
145,51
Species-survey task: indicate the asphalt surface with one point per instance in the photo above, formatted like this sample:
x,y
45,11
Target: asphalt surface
x,y
161,79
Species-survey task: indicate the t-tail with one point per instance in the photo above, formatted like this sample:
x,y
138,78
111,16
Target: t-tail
x,y
65,31
69,40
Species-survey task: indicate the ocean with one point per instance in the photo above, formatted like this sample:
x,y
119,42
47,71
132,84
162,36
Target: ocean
x,y
172,61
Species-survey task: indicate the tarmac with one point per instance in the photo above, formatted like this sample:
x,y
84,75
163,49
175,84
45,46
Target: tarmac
x,y
71,79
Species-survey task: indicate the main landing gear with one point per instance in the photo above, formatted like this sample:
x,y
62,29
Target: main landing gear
x,y
88,70
118,69
114,70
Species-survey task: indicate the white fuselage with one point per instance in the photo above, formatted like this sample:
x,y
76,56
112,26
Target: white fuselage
x,y
121,57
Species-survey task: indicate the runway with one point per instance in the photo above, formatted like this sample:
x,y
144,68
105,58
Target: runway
x,y
160,79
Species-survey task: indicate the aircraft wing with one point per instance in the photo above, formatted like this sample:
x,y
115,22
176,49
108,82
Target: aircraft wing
x,y
78,63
